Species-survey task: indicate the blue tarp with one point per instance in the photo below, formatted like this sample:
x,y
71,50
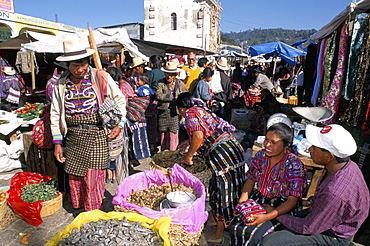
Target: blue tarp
x,y
299,44
274,49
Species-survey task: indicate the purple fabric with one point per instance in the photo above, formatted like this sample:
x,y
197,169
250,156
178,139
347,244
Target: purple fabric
x,y
334,94
192,217
341,205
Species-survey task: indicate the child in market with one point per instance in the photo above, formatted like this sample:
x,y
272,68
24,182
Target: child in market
x,y
139,146
143,89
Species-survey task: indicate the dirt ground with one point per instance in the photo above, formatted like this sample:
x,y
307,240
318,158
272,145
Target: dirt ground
x,y
13,234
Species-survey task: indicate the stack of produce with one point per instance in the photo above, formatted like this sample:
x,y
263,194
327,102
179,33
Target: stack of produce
x,y
30,111
43,191
152,196
167,159
112,232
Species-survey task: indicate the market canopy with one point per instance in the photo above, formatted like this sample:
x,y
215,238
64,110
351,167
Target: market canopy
x,y
154,48
233,54
24,38
275,49
351,9
102,36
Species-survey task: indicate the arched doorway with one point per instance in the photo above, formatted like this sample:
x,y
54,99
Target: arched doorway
x,y
5,32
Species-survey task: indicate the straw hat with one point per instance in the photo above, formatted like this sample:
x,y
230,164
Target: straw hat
x,y
222,64
178,63
137,61
171,67
61,64
74,50
9,70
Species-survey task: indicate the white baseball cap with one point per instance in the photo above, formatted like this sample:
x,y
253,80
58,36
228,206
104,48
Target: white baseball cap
x,y
333,138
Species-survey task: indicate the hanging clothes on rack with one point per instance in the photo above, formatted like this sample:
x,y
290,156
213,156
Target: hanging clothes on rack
x,y
334,94
23,62
354,55
328,60
319,71
358,105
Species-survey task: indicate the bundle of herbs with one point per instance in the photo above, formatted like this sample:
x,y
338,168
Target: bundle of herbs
x,y
44,191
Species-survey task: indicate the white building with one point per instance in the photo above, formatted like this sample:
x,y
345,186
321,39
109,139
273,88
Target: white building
x,y
191,23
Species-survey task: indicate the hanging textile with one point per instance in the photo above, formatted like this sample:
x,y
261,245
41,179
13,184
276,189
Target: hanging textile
x,y
354,55
333,96
358,104
23,62
329,56
365,127
305,91
319,71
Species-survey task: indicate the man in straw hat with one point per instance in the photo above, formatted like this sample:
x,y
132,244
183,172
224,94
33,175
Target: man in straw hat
x,y
75,119
168,122
221,85
341,202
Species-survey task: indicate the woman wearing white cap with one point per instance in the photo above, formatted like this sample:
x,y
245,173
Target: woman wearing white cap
x,y
75,119
341,202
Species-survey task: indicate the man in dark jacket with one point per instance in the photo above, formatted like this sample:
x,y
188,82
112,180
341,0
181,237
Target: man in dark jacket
x,y
226,94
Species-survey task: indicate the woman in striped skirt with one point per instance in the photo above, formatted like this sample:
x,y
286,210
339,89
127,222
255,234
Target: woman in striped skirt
x,y
75,119
211,137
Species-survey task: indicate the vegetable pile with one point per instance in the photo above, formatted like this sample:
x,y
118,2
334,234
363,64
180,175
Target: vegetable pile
x,y
44,191
30,111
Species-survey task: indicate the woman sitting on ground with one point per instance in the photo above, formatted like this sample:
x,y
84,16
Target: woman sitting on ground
x,y
280,179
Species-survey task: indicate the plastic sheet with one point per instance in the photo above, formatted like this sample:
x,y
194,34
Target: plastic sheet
x,y
192,217
161,225
30,212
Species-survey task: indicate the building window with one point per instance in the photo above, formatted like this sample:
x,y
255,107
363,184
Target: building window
x,y
173,21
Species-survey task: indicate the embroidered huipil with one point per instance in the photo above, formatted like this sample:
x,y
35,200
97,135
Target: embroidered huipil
x,y
287,177
80,102
192,123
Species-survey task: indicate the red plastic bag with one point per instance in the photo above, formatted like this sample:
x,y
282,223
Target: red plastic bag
x,y
30,212
41,134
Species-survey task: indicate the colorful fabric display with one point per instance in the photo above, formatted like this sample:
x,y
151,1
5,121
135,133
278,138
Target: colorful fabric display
x,y
246,211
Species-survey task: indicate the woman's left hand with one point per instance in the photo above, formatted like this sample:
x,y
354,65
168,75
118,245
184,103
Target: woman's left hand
x,y
259,219
114,132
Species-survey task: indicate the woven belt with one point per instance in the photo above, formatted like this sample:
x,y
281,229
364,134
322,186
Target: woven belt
x,y
87,126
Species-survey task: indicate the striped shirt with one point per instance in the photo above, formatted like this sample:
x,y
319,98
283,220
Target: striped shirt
x,y
341,204
288,177
80,102
198,119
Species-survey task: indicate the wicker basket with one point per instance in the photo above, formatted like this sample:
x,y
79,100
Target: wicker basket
x,y
52,206
7,215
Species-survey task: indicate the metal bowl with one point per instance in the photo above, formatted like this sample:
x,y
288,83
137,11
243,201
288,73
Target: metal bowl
x,y
180,198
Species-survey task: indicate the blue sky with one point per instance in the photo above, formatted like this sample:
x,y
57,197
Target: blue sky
x,y
237,15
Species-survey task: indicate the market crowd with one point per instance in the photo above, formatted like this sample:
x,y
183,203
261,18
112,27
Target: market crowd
x,y
185,104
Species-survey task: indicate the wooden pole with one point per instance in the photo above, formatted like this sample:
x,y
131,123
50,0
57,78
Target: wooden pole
x,y
33,71
95,56
123,58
